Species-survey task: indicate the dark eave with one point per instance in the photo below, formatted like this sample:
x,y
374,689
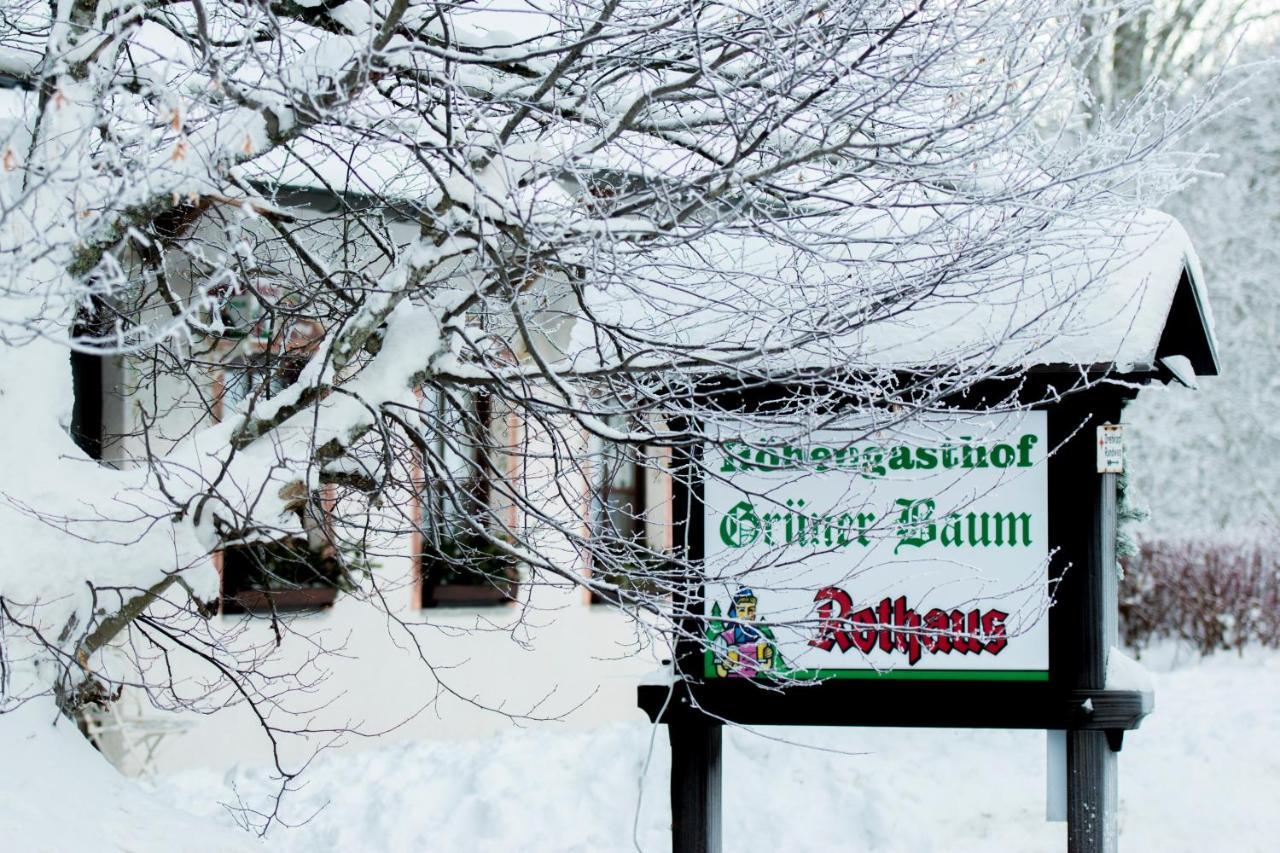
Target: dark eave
x,y
1186,329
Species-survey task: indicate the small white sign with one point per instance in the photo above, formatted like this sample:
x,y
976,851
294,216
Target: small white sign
x,y
1111,449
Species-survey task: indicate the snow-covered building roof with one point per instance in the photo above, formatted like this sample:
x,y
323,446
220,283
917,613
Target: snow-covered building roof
x,y
898,287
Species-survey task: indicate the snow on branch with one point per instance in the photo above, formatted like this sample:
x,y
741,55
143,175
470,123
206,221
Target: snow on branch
x,y
369,273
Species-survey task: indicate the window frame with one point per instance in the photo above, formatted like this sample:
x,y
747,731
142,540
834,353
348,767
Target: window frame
x,y
642,494
240,353
287,599
478,425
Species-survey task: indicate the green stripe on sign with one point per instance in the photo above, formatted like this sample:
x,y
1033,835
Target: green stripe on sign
x,y
922,674
709,671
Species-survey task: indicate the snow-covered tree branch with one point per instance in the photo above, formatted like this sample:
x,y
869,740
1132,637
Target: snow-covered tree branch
x,y
372,270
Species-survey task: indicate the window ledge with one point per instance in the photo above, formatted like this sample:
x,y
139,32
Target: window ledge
x,y
279,600
468,595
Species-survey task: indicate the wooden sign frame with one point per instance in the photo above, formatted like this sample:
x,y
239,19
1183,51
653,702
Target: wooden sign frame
x,y
1082,628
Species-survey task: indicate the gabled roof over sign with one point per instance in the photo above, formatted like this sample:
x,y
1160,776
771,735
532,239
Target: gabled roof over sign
x,y
1125,299
1188,328
1115,296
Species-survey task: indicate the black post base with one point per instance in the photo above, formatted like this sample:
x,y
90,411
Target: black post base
x,y
695,786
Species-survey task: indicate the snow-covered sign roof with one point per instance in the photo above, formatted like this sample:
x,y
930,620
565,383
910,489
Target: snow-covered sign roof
x,y
1119,295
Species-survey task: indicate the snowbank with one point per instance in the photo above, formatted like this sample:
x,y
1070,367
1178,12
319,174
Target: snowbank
x,y
1199,775
58,795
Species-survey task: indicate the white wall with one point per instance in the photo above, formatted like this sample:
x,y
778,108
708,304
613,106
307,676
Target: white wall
x,y
553,657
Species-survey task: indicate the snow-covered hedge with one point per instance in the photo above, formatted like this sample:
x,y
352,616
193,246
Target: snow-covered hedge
x,y
1215,593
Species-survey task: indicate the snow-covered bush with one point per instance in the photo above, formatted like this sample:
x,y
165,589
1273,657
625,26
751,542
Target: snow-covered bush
x,y
1214,593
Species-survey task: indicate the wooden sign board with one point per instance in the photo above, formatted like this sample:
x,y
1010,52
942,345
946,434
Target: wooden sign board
x,y
952,570
936,571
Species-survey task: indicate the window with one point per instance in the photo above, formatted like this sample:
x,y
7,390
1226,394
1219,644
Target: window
x,y
620,494
259,376
239,315
624,554
460,558
267,312
297,573
277,577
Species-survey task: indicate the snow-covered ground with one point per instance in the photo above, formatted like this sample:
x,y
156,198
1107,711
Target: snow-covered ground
x,y
58,796
1201,775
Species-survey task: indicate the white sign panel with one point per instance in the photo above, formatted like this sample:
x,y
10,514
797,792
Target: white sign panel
x,y
1111,449
915,551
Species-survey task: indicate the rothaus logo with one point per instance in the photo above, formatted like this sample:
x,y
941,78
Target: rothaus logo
x,y
894,626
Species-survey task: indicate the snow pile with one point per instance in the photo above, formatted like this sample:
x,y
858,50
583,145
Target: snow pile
x,y
1125,673
1199,775
57,794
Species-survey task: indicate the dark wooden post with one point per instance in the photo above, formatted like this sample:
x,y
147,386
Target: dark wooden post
x,y
695,740
1091,763
695,786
